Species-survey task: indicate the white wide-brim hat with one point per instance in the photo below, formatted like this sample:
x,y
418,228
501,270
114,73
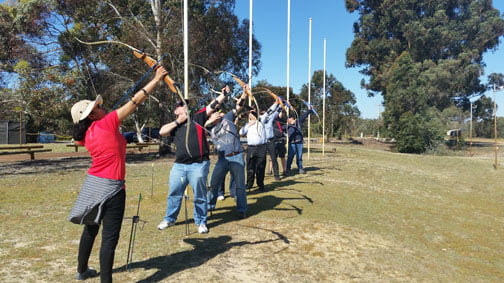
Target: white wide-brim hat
x,y
83,108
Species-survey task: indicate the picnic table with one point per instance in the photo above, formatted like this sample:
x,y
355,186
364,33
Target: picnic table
x,y
129,146
23,149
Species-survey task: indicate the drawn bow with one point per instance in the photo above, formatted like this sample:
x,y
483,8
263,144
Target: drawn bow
x,y
139,54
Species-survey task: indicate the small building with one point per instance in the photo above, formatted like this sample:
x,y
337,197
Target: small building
x,y
12,132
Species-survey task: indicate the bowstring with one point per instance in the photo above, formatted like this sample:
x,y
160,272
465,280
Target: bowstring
x,y
135,86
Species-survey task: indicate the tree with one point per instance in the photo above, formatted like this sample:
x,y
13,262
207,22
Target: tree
x,y
421,54
341,109
74,71
27,41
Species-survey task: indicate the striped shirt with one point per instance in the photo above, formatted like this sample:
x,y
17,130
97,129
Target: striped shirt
x,y
93,194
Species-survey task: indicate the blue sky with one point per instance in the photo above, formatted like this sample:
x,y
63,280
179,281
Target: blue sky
x,y
330,20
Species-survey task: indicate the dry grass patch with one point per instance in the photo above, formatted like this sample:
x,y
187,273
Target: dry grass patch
x,y
357,215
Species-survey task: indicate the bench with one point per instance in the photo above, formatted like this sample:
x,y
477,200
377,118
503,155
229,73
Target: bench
x,y
24,149
130,146
28,147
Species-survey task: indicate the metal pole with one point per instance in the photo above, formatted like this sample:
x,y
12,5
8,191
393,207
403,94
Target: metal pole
x,y
323,101
20,128
470,131
152,181
250,49
288,50
288,68
309,83
495,128
186,50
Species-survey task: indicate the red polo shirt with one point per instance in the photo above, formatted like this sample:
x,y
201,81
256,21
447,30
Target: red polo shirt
x,y
107,148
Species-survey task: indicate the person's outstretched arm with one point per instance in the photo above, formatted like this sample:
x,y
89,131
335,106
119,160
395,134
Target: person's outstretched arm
x,y
124,111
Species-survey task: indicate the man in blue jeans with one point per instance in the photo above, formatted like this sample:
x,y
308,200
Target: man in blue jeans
x,y
227,142
295,134
192,162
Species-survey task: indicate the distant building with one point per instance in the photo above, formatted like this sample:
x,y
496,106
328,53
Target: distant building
x,y
12,132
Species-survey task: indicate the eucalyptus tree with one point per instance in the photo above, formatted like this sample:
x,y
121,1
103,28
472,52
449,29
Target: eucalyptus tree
x,y
31,80
341,109
217,42
420,55
48,68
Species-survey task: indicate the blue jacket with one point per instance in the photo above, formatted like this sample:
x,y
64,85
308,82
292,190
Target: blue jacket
x,y
295,131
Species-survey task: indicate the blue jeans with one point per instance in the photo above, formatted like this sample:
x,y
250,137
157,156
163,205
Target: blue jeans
x,y
297,150
236,166
232,187
181,175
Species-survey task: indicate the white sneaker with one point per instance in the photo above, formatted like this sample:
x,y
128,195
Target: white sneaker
x,y
220,198
202,229
165,224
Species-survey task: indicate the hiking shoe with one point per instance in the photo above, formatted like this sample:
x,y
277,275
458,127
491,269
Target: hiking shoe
x,y
90,272
301,171
202,229
165,224
220,198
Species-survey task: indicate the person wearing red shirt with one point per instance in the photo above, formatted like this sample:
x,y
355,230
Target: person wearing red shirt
x,y
102,197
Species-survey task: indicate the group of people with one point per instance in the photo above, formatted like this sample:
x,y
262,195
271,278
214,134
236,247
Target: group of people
x,y
101,200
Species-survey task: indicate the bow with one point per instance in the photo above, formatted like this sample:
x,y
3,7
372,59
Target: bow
x,y
151,62
247,91
311,107
284,103
139,54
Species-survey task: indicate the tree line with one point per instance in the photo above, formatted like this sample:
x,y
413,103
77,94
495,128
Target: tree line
x,y
424,57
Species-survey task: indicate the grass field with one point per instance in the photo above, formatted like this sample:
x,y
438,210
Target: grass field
x,y
359,214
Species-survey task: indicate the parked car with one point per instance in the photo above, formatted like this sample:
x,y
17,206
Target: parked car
x,y
150,133
131,137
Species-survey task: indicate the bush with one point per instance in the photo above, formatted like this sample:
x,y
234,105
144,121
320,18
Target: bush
x,y
418,132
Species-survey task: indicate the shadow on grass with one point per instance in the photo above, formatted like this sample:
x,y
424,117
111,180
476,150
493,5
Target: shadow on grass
x,y
64,164
267,202
44,166
203,250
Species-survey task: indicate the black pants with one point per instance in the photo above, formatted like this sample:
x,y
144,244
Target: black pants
x,y
271,149
256,165
112,217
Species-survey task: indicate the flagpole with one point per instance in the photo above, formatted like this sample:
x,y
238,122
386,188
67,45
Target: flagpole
x,y
309,82
288,64
186,51
288,48
323,101
251,4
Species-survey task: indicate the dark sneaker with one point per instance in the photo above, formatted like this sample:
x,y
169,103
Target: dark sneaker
x,y
89,273
277,178
242,215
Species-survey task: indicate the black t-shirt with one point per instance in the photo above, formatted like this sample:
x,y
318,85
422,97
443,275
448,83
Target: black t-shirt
x,y
196,142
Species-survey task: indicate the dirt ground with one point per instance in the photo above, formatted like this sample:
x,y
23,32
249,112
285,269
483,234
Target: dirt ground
x,y
255,249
